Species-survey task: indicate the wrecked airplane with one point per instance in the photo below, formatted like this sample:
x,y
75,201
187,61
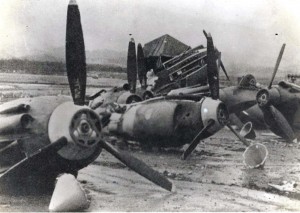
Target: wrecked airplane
x,y
174,120
173,64
46,136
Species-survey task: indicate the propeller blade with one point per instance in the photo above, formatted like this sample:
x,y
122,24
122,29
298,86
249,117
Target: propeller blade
x,y
277,65
276,120
142,71
245,142
224,70
212,68
139,167
218,56
220,63
75,54
196,140
30,165
131,66
205,34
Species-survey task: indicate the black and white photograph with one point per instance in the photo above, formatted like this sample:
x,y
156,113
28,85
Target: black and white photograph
x,y
149,105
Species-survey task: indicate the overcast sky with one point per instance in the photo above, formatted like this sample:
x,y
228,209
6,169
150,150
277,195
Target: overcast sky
x,y
251,30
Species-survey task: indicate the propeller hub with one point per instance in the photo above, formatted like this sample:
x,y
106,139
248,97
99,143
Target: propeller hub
x,y
262,98
266,97
85,127
80,125
222,114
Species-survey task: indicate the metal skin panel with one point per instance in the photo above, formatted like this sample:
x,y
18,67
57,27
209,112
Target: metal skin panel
x,y
189,90
237,99
155,119
128,98
11,124
197,77
255,115
162,123
41,108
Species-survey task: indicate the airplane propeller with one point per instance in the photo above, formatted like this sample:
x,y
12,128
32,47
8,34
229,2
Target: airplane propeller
x,y
213,81
218,57
76,69
267,98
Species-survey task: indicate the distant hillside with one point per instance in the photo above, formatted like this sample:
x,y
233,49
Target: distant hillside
x,y
107,57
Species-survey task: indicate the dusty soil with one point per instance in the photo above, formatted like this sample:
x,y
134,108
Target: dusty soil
x,y
14,86
214,178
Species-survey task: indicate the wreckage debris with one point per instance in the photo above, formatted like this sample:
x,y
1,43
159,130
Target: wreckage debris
x,y
247,131
255,155
68,195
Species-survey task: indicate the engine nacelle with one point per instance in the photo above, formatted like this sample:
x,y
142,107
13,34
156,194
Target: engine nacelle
x,y
80,125
169,122
15,123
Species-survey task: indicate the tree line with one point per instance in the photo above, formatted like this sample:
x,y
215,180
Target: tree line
x,y
48,67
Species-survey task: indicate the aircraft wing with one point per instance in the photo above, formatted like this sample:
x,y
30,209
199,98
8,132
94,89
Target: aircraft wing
x,y
286,84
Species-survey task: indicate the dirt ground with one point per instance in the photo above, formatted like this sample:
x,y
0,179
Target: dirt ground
x,y
213,178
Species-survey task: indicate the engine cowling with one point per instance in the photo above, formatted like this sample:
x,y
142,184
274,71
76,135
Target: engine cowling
x,y
128,98
214,110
